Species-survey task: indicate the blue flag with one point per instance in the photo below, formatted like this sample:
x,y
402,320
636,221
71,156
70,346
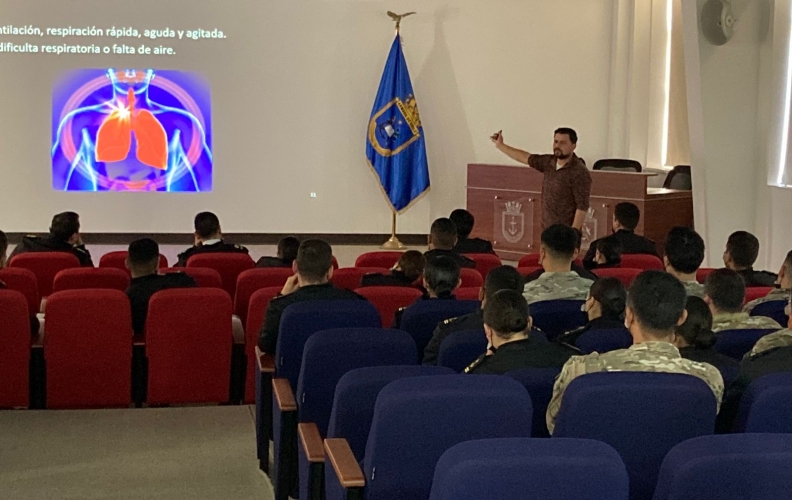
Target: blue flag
x,y
395,145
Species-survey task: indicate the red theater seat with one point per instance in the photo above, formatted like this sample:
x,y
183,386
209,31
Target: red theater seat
x,y
204,277
45,265
349,278
229,265
80,278
703,273
24,282
755,292
117,260
625,275
641,261
389,299
257,308
378,259
15,351
469,293
484,262
255,279
530,260
471,278
525,271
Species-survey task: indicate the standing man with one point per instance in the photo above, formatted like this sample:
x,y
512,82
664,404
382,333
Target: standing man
x,y
567,182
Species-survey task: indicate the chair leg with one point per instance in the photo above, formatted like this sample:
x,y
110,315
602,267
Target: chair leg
x,y
263,418
286,457
316,481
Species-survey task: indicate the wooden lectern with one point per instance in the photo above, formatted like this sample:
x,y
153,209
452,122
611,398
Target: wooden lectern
x,y
507,204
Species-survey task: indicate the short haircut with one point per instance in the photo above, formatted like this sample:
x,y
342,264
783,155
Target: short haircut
x,y
628,215
412,264
684,249
143,252
464,221
444,233
573,137
64,225
3,244
697,328
207,224
611,295
726,290
288,248
743,248
503,278
560,241
610,248
507,313
314,259
442,275
657,300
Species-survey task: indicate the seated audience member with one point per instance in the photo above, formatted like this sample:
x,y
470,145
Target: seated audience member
x,y
695,338
464,221
784,284
655,306
724,292
440,280
442,239
684,253
625,219
579,269
64,236
777,340
500,278
406,272
604,308
607,255
507,324
313,269
742,249
143,264
287,252
208,239
559,281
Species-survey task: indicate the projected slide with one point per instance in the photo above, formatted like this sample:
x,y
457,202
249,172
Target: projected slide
x,y
131,130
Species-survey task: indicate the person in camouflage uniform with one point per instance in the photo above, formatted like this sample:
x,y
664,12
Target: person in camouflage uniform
x,y
782,338
655,306
558,282
784,283
724,292
684,253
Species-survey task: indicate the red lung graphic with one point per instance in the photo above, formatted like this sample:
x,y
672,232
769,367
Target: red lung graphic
x,y
114,139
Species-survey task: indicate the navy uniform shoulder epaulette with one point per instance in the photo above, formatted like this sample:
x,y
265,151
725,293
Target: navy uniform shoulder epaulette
x,y
401,309
451,321
240,247
472,366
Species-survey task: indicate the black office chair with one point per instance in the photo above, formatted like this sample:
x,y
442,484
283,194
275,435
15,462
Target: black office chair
x,y
679,178
618,165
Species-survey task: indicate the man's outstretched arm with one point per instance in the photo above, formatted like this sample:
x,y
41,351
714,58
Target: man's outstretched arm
x,y
515,154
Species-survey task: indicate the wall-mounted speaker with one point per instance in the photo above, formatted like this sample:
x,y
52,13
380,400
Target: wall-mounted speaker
x,y
717,21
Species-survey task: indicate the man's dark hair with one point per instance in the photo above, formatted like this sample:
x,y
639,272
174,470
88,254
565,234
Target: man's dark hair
x,y
628,215
657,300
3,244
412,264
288,248
64,225
507,313
143,252
444,233
207,224
503,278
743,248
611,295
684,249
314,259
726,290
573,137
560,241
442,275
464,221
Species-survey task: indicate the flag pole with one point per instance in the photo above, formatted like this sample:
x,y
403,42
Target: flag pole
x,y
393,243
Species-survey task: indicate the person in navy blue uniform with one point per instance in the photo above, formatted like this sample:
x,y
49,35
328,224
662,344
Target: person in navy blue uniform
x,y
407,271
208,239
464,221
626,217
64,236
287,252
442,239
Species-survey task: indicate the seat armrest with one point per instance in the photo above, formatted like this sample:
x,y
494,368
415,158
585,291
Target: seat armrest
x,y
266,363
284,396
311,442
344,463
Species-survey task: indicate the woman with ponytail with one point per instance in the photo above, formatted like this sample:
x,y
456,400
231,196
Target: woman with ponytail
x,y
695,338
604,307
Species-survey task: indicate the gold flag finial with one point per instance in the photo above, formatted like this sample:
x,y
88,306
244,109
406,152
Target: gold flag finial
x,y
398,18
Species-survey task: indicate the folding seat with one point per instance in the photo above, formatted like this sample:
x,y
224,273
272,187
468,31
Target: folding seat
x,y
469,293
415,421
756,292
643,262
766,406
229,265
736,343
349,278
728,467
188,346
623,274
45,265
257,308
772,309
602,341
421,318
203,276
703,273
255,279
389,299
471,278
24,282
555,317
88,349
485,262
80,278
117,260
539,384
642,415
462,348
378,259
335,263
530,469
15,351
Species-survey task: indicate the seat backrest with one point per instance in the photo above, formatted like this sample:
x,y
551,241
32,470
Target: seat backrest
x,y
257,308
602,341
555,317
45,265
561,469
642,415
525,271
117,260
229,265
80,278
756,292
421,318
329,354
530,260
728,467
24,282
643,262
679,178
766,405
471,278
417,419
300,321
389,299
469,293
485,262
771,309
203,276
736,343
703,273
256,279
88,349
617,165
378,259
462,348
625,275
188,345
349,278
539,383
15,352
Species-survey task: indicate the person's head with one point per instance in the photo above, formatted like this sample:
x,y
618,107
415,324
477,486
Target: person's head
x,y
506,318
3,249
785,273
66,227
441,277
143,257
696,331
609,251
742,249
411,264
559,243
564,143
464,221
207,226
607,299
443,234
626,216
724,291
314,262
684,251
288,248
655,307
501,278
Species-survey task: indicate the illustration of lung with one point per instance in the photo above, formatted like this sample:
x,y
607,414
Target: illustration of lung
x,y
114,139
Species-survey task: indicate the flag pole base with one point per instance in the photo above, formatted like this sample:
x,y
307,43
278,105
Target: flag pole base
x,y
393,244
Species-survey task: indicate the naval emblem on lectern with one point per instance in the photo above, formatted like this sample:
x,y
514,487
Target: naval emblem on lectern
x,y
513,222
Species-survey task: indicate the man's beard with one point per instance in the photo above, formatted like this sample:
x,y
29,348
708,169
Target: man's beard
x,y
560,155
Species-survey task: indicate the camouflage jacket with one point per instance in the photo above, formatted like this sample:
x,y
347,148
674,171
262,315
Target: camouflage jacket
x,y
644,357
772,341
774,295
694,288
742,321
557,286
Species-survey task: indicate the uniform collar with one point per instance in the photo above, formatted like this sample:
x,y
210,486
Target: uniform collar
x,y
212,242
657,346
547,275
738,316
515,344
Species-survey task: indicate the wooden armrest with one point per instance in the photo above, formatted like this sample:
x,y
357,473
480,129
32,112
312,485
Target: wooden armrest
x,y
284,395
311,442
344,463
266,363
